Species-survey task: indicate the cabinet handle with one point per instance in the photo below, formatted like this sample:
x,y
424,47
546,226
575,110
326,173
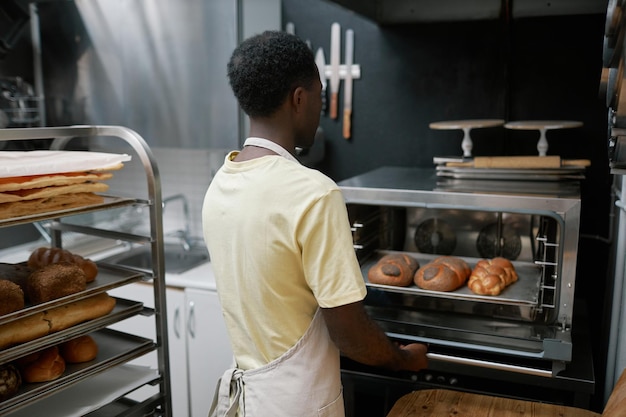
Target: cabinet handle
x,y
177,322
191,323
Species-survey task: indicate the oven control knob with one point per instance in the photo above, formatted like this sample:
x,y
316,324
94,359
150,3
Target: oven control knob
x,y
453,381
428,377
441,379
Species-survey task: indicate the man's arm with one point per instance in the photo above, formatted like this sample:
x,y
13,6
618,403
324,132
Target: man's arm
x,y
358,337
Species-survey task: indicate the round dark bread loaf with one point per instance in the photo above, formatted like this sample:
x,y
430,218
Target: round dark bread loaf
x,y
446,273
393,269
10,381
11,297
17,273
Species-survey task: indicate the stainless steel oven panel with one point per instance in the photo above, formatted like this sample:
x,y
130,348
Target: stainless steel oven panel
x,y
470,227
416,188
475,334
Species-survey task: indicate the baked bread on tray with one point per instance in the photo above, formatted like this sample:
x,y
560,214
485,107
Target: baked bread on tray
x,y
445,273
492,276
393,269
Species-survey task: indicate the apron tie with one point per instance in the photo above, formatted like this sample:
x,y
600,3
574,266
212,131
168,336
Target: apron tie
x,y
230,390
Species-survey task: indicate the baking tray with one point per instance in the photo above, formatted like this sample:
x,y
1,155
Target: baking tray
x,y
489,186
541,174
108,277
524,292
114,348
122,310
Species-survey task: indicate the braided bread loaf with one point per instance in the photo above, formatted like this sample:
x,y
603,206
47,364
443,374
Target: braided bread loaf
x,y
492,276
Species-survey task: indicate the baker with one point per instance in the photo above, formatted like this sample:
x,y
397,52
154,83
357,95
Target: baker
x,y
278,233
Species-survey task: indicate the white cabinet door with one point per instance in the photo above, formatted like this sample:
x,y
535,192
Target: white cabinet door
x,y
145,327
177,340
208,348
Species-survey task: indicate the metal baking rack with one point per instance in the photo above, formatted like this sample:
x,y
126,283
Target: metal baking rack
x,y
116,348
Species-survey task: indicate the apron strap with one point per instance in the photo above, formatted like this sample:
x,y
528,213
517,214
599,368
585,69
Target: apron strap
x,y
231,380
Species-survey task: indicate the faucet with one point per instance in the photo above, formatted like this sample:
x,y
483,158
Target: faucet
x,y
185,234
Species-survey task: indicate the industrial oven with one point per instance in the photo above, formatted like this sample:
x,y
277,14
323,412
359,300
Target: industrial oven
x,y
521,343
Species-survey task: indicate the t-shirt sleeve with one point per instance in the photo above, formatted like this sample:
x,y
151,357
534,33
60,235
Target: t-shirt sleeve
x,y
331,267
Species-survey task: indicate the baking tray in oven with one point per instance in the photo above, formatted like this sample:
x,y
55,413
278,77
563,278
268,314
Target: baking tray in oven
x,y
524,292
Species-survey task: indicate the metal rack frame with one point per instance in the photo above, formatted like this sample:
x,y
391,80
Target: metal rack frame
x,y
61,137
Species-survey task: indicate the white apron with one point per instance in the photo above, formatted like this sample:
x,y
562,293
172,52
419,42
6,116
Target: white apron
x,y
304,382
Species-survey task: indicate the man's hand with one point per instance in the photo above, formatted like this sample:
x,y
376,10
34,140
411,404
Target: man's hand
x,y
416,356
358,337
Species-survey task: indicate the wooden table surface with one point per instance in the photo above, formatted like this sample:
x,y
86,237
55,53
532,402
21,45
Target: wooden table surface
x,y
448,403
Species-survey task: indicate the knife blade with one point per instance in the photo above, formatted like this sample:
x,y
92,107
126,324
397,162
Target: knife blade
x,y
335,45
347,98
320,61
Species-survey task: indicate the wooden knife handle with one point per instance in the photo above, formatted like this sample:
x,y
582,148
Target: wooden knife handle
x,y
333,105
346,123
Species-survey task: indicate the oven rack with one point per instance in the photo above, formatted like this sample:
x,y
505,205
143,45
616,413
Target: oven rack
x,y
521,297
549,273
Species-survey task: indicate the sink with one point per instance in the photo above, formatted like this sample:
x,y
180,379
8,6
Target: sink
x,y
177,258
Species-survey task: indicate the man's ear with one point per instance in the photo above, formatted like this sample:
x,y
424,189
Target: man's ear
x,y
297,98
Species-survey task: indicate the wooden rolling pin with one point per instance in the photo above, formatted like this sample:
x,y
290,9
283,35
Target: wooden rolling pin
x,y
549,161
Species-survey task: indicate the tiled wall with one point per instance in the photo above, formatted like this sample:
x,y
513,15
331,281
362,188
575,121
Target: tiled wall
x,y
181,171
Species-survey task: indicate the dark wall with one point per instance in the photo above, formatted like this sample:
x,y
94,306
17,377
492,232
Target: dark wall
x,y
513,69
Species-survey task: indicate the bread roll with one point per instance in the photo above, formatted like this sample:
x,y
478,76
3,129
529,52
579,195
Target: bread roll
x,y
10,381
54,281
45,256
393,269
446,273
43,366
78,350
55,319
492,276
11,297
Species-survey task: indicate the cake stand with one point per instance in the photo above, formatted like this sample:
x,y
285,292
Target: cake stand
x,y
466,126
542,126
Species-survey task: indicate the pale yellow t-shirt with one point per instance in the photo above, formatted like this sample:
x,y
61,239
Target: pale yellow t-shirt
x,y
280,245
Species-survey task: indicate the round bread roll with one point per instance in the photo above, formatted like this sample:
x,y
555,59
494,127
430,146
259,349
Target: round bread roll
x,y
446,273
10,381
78,350
492,276
393,269
11,297
45,365
54,281
44,256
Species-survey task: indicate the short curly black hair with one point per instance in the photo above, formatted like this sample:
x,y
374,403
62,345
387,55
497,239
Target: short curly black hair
x,y
265,68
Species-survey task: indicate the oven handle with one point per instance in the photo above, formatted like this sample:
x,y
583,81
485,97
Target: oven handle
x,y
490,365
